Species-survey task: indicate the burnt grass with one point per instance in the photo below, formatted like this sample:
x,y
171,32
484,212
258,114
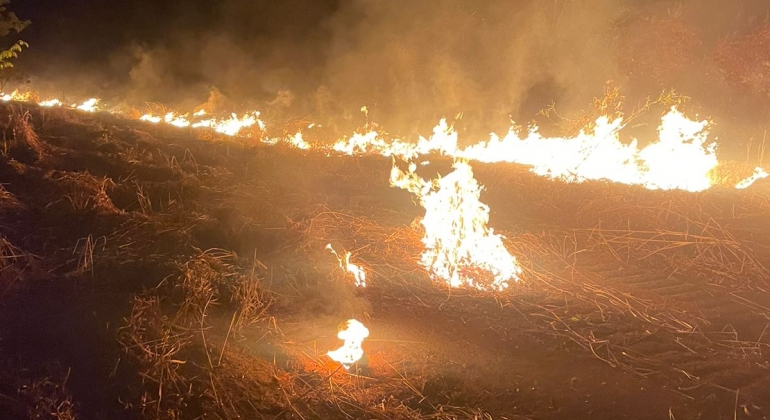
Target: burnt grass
x,y
154,272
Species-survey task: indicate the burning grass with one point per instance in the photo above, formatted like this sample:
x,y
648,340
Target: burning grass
x,y
209,339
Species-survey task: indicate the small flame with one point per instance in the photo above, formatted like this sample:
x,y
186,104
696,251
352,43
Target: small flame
x,y
150,118
758,174
459,247
358,273
353,334
232,125
50,103
88,106
176,120
15,96
298,142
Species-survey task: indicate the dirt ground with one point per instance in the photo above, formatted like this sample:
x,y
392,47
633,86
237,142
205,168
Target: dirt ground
x,y
155,272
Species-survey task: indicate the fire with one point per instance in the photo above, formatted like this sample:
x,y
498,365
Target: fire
x,y
359,275
682,144
598,155
88,106
459,247
16,96
298,142
232,125
443,140
50,103
353,334
759,173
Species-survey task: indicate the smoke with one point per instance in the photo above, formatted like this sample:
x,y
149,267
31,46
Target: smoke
x,y
410,62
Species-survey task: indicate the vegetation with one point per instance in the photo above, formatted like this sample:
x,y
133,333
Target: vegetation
x,y
9,22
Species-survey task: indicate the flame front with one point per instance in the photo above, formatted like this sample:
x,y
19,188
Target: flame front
x,y
353,334
681,158
358,273
459,247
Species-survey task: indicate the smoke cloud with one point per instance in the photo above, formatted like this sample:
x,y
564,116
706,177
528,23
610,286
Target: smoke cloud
x,y
409,61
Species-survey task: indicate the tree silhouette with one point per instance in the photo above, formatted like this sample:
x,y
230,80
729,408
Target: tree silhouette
x,y
9,22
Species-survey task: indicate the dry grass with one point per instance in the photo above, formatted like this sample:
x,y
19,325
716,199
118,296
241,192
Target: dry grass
x,y
150,337
24,134
167,332
86,192
251,298
49,400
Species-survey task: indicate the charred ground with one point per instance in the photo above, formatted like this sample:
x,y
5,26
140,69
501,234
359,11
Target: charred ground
x,y
153,272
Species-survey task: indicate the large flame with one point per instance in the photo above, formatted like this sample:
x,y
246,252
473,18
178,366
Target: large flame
x,y
681,158
459,247
353,334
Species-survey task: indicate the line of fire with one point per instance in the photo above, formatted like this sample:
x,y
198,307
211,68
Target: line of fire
x,y
385,210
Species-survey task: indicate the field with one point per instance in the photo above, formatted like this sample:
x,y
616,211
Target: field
x,y
155,272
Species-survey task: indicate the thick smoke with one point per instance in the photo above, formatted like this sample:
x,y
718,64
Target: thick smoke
x,y
409,61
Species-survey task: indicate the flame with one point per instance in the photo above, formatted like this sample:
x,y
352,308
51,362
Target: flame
x,y
600,155
358,273
88,106
758,174
681,158
232,125
353,334
459,247
50,103
298,142
443,140
151,118
16,96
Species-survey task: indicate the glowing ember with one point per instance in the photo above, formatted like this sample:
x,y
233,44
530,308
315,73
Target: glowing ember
x,y
459,247
88,106
353,334
758,174
50,103
358,273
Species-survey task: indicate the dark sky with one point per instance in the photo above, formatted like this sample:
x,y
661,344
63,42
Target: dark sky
x,y
409,61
